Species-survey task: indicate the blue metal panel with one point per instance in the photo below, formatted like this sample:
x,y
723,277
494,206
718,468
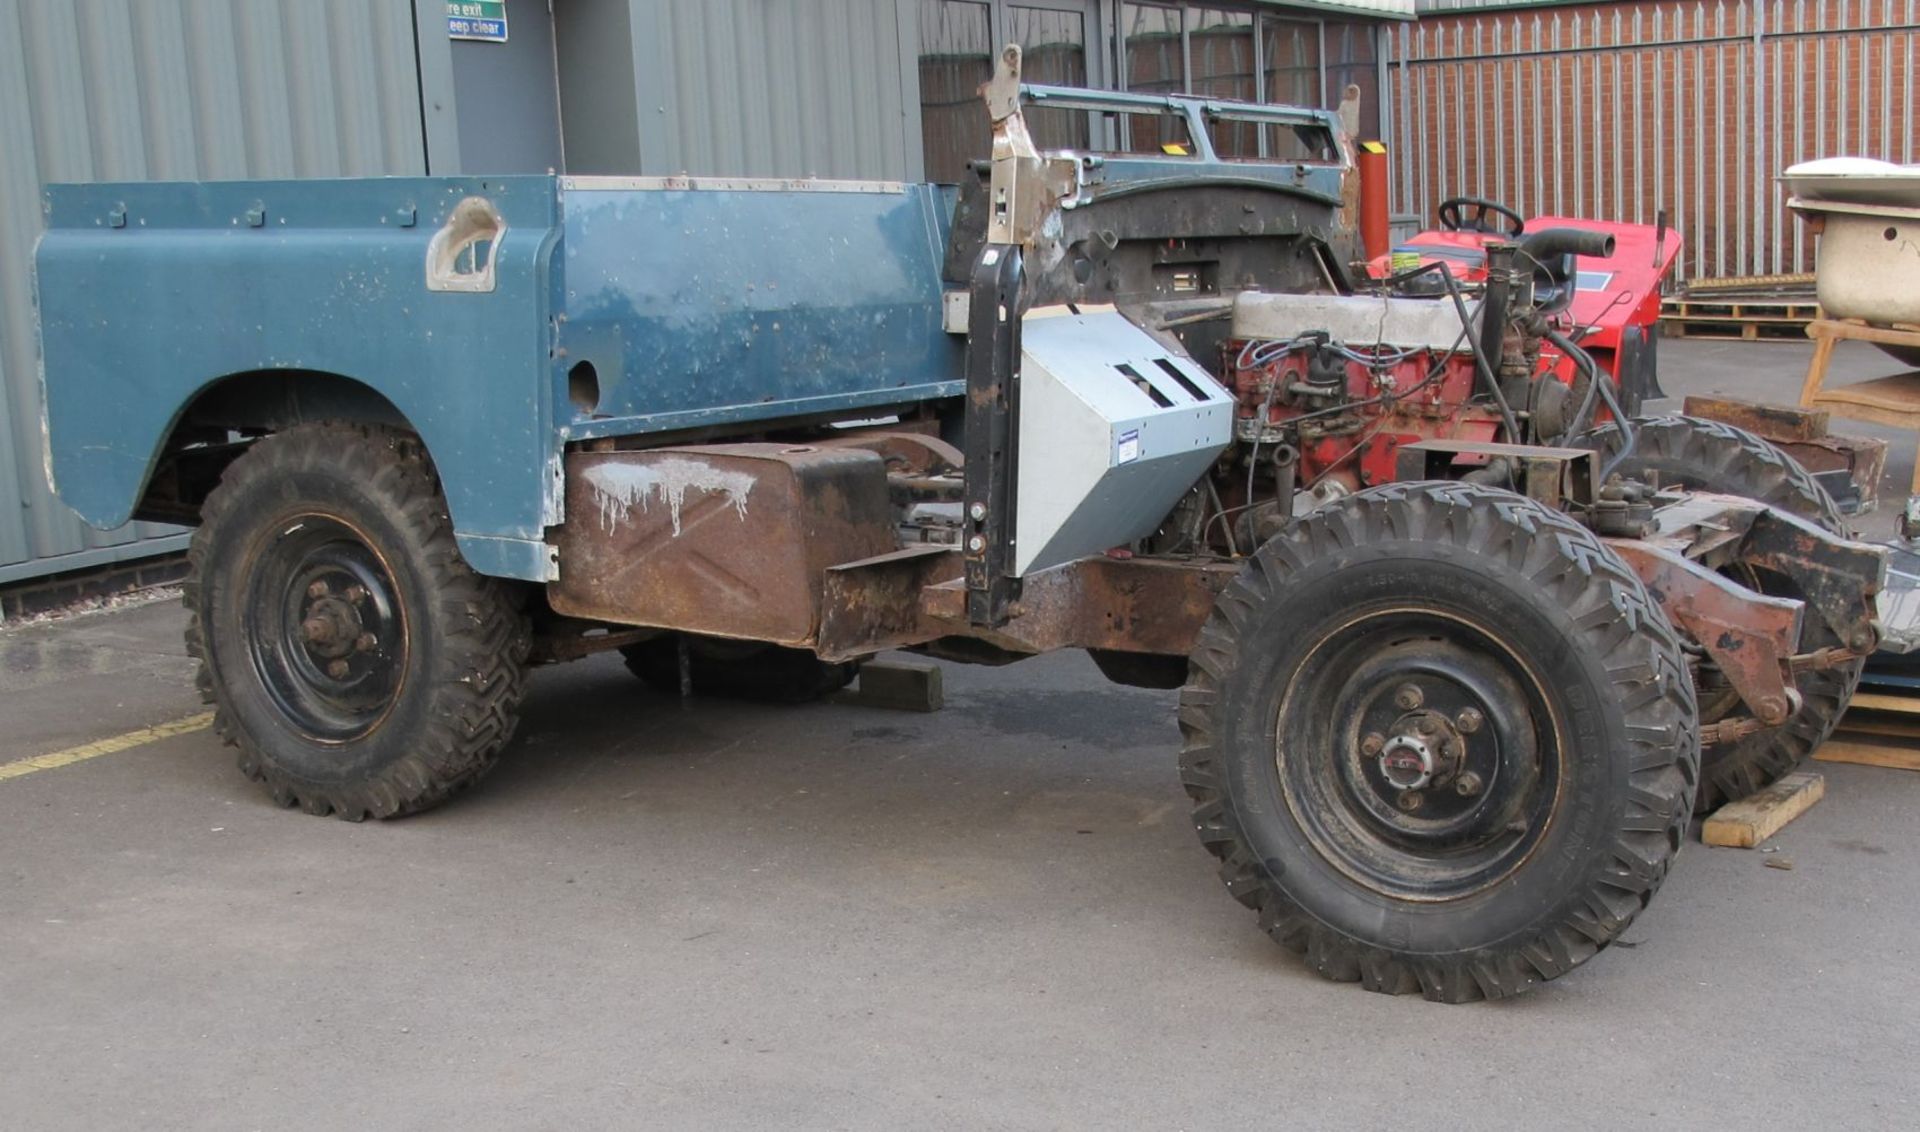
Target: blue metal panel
x,y
711,302
710,305
138,318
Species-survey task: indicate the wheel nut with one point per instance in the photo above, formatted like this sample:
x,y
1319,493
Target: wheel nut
x,y
1408,697
356,594
1410,800
1469,720
1427,726
318,589
1467,785
338,670
1371,744
365,642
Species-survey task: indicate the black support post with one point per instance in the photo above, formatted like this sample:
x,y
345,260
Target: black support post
x,y
993,407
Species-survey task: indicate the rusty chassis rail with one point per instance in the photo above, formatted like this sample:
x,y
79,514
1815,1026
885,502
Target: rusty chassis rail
x,y
1697,539
918,595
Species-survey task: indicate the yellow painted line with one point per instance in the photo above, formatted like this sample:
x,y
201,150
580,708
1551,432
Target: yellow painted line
x,y
111,746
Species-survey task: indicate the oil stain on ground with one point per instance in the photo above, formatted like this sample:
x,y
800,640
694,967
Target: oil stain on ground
x,y
1109,718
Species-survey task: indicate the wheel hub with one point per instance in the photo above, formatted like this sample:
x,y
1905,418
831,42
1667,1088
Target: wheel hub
x,y
331,649
1425,748
1422,755
331,626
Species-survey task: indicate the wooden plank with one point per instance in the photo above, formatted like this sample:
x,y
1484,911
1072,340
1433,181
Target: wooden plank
x,y
1882,701
1869,724
1751,820
1872,414
1891,756
1859,331
1737,282
1899,392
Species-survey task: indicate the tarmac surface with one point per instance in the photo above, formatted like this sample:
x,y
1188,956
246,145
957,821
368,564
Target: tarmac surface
x,y
728,916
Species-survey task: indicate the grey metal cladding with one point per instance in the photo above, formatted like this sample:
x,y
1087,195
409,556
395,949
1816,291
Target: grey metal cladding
x,y
95,90
747,88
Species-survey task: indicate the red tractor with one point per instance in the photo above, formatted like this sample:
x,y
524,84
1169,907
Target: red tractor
x,y
1614,302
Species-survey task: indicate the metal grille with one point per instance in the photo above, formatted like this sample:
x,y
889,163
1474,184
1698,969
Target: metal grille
x,y
1614,111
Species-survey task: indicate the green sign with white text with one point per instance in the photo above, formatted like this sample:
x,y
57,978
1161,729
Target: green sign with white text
x,y
484,20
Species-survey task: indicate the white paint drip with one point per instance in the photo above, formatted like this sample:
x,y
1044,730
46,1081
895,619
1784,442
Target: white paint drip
x,y
621,486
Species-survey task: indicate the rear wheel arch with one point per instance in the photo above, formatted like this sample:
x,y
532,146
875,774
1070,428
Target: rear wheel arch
x,y
223,418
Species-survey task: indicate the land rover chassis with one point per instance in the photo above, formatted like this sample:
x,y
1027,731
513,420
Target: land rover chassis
x,y
1452,634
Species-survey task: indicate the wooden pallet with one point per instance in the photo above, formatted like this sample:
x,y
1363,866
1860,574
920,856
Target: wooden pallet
x,y
1740,308
1738,317
1879,729
1734,330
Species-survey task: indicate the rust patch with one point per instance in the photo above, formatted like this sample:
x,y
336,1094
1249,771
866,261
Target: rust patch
x,y
1767,421
875,604
1135,605
1749,635
731,540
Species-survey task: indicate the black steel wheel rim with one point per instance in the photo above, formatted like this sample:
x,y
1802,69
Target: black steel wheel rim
x,y
327,628
1419,753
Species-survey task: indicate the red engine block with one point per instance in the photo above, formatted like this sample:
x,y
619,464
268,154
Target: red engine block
x,y
1351,428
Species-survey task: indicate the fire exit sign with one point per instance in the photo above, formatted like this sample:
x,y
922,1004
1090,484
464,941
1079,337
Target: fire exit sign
x,y
477,19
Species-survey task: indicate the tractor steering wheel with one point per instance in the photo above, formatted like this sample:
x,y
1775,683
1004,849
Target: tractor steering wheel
x,y
1451,219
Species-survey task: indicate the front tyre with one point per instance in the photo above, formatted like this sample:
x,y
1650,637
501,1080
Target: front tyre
x,y
354,658
1440,740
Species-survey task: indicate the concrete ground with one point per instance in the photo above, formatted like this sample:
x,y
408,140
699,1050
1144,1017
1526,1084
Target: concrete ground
x,y
731,916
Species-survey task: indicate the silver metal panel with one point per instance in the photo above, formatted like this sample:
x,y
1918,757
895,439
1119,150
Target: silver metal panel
x,y
747,88
170,90
1432,324
1615,111
1101,459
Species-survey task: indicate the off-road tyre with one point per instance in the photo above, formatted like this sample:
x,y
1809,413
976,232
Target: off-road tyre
x,y
424,710
1586,647
737,670
1711,456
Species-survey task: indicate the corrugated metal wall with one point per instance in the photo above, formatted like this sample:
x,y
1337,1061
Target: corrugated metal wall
x,y
1614,111
162,90
757,89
